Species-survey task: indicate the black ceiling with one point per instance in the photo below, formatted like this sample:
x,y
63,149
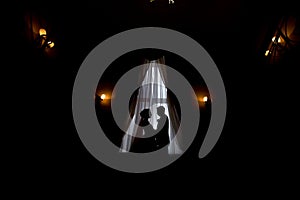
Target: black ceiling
x,y
228,30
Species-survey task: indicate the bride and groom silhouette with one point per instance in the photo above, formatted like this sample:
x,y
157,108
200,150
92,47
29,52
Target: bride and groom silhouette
x,y
153,139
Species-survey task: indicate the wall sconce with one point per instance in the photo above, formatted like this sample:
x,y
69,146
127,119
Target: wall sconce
x,y
282,41
102,97
43,40
205,99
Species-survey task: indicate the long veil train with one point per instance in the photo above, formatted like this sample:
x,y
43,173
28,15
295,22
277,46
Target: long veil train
x,y
152,94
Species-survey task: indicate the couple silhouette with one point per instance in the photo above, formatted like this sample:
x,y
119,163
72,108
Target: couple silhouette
x,y
151,139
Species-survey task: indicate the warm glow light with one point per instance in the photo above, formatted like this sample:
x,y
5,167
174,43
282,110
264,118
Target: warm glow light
x,y
267,53
205,98
171,1
50,44
278,40
42,32
102,96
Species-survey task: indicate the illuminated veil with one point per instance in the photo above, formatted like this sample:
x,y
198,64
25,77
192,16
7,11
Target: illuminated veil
x,y
151,94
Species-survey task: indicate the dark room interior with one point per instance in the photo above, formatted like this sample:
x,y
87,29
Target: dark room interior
x,y
255,47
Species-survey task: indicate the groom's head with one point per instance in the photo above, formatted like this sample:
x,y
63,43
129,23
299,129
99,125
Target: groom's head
x,y
161,110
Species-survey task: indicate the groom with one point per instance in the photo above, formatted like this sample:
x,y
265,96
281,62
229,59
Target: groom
x,y
162,136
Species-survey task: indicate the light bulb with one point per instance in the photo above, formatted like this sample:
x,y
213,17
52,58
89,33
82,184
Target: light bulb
x,y
42,32
102,96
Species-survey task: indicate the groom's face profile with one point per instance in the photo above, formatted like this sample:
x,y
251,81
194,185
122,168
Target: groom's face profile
x,y
161,111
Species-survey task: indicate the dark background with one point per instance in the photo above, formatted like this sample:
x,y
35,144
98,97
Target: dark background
x,y
256,142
